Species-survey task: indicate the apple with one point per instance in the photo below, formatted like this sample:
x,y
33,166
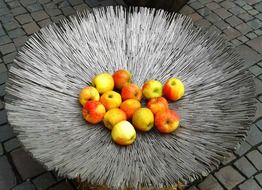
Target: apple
x,y
152,89
143,119
113,116
93,111
157,104
88,93
103,82
129,107
131,91
123,133
111,99
121,78
167,121
174,89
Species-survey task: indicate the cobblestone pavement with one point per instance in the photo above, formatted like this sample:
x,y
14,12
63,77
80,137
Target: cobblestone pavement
x,y
240,21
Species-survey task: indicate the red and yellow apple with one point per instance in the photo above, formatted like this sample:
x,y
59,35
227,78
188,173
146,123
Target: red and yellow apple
x,y
113,116
121,78
174,89
129,106
152,89
88,93
131,91
123,133
143,119
103,82
111,99
93,111
157,104
167,121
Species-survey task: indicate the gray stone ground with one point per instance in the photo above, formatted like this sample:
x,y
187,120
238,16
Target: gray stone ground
x,y
240,21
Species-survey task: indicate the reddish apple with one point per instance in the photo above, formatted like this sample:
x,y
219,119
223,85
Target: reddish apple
x,y
167,121
121,78
157,104
174,89
131,91
93,111
129,107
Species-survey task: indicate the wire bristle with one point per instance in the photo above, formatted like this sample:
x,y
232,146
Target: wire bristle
x,y
42,101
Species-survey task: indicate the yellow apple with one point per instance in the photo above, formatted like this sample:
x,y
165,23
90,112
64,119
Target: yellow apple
x,y
152,89
88,93
121,78
123,133
103,82
174,89
113,116
143,119
93,111
111,99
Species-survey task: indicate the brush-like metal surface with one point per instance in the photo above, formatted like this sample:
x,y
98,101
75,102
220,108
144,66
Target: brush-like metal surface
x,y
56,63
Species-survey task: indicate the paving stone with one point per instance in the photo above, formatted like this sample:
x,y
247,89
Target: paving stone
x,y
6,18
7,48
234,21
256,158
236,10
229,159
195,17
34,7
25,164
25,186
204,11
4,40
259,178
45,22
245,16
223,13
229,177
50,5
81,7
251,35
213,18
236,42
258,85
254,136
7,175
16,33
227,4
250,184
11,25
244,28
1,150
56,19
53,12
75,2
205,1
210,183
258,6
255,70
62,186
44,181
67,11
6,132
44,1
39,15
214,29
12,144
245,167
247,7
13,4
2,32
9,57
259,122
4,11
259,16
240,2
193,188
213,5
253,12
256,44
249,55
25,18
18,11
203,23
2,90
258,32
243,39
185,10
64,4
231,33
27,2
31,28
252,2
258,111
255,24
196,5
20,41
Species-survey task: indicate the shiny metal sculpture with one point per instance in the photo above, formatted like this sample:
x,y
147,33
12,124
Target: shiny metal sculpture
x,y
58,61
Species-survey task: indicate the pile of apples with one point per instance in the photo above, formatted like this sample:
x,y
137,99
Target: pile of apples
x,y
116,101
